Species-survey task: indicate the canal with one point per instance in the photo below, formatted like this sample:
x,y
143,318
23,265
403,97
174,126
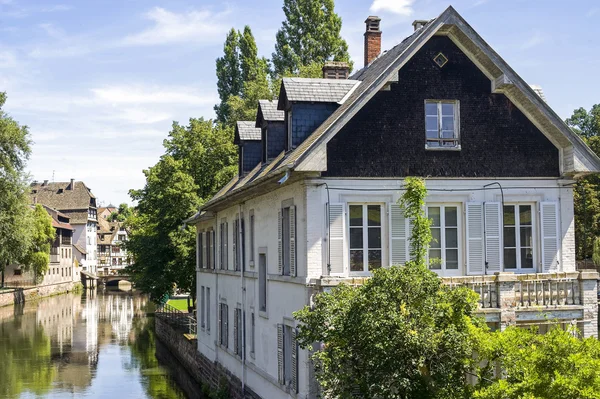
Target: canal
x,y
89,345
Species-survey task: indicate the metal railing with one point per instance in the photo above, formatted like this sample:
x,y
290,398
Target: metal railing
x,y
184,322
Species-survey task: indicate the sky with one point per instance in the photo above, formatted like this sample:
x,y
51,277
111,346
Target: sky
x,y
99,83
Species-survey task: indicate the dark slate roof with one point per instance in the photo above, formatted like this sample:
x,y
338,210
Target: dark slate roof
x,y
56,195
316,90
270,112
246,130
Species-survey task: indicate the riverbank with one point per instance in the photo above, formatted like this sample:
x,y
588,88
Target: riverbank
x,y
14,296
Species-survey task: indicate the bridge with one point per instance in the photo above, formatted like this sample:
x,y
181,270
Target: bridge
x,y
113,281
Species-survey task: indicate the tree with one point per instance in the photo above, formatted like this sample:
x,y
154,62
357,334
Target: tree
x,y
37,257
402,334
553,365
199,159
15,231
229,79
122,213
309,34
586,192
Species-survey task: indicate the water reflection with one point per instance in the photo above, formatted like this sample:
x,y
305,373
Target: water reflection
x,y
90,345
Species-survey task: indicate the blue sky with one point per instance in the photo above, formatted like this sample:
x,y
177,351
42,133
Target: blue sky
x,y
100,82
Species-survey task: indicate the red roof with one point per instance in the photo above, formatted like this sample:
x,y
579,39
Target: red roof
x,y
60,225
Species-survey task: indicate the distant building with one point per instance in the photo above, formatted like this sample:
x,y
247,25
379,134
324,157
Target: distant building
x,y
61,268
76,201
112,257
105,212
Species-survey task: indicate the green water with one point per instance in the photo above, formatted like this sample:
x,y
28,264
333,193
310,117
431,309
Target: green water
x,y
85,346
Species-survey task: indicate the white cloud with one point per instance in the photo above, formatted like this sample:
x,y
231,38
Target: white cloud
x,y
170,27
401,7
536,39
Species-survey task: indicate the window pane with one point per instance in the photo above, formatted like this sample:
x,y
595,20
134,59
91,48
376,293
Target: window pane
x,y
525,215
356,215
509,215
433,212
436,241
451,213
356,260
451,237
448,134
526,237
374,259
510,258
432,143
452,259
527,258
509,237
448,123
432,134
447,109
431,109
374,237
356,238
435,256
374,215
431,123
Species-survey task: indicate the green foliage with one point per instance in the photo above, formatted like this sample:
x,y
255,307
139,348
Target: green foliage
x,y
596,252
121,214
553,365
199,159
242,78
309,34
401,335
587,190
37,257
413,204
15,215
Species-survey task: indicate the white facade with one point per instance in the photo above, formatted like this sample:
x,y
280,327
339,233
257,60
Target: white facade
x,y
85,236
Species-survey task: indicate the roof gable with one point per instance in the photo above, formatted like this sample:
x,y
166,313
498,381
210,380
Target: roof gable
x,y
314,90
59,195
246,131
267,111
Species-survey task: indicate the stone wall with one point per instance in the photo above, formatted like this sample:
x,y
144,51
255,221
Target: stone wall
x,y
22,295
202,369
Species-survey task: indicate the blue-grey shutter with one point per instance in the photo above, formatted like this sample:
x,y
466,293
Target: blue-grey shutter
x,y
336,238
550,235
292,226
280,374
279,243
475,250
399,248
494,251
294,361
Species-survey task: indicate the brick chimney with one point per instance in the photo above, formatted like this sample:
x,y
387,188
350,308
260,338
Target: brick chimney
x,y
72,185
372,39
336,70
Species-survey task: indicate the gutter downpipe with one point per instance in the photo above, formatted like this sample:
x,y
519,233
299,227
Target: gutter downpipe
x,y
240,248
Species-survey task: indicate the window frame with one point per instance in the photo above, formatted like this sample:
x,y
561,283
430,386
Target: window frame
x,y
263,283
285,241
443,271
251,256
439,139
207,314
517,226
202,308
365,234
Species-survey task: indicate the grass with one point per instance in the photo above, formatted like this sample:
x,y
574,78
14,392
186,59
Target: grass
x,y
180,304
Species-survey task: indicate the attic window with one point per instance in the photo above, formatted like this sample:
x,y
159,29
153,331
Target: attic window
x,y
442,125
60,191
440,60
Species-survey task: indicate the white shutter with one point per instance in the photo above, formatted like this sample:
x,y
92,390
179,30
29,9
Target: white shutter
x,y
219,329
336,238
236,227
279,243
236,347
475,251
226,267
398,238
550,246
493,237
292,226
203,254
198,249
211,253
226,326
280,375
294,361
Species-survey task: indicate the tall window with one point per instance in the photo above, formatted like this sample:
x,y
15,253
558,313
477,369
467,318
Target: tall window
x,y
262,282
285,236
252,334
223,245
518,237
208,309
441,124
223,325
202,307
251,256
289,130
238,331
239,256
201,251
365,237
443,249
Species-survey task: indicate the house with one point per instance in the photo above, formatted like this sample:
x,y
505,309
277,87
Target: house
x,y
75,200
499,165
105,212
112,257
61,269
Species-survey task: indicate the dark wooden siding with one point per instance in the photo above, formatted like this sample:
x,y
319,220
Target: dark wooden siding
x,y
275,139
306,117
387,137
251,155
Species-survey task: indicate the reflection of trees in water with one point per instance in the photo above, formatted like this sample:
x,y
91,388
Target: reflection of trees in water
x,y
25,357
156,381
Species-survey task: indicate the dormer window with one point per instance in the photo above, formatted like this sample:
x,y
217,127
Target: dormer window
x,y
289,130
442,125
